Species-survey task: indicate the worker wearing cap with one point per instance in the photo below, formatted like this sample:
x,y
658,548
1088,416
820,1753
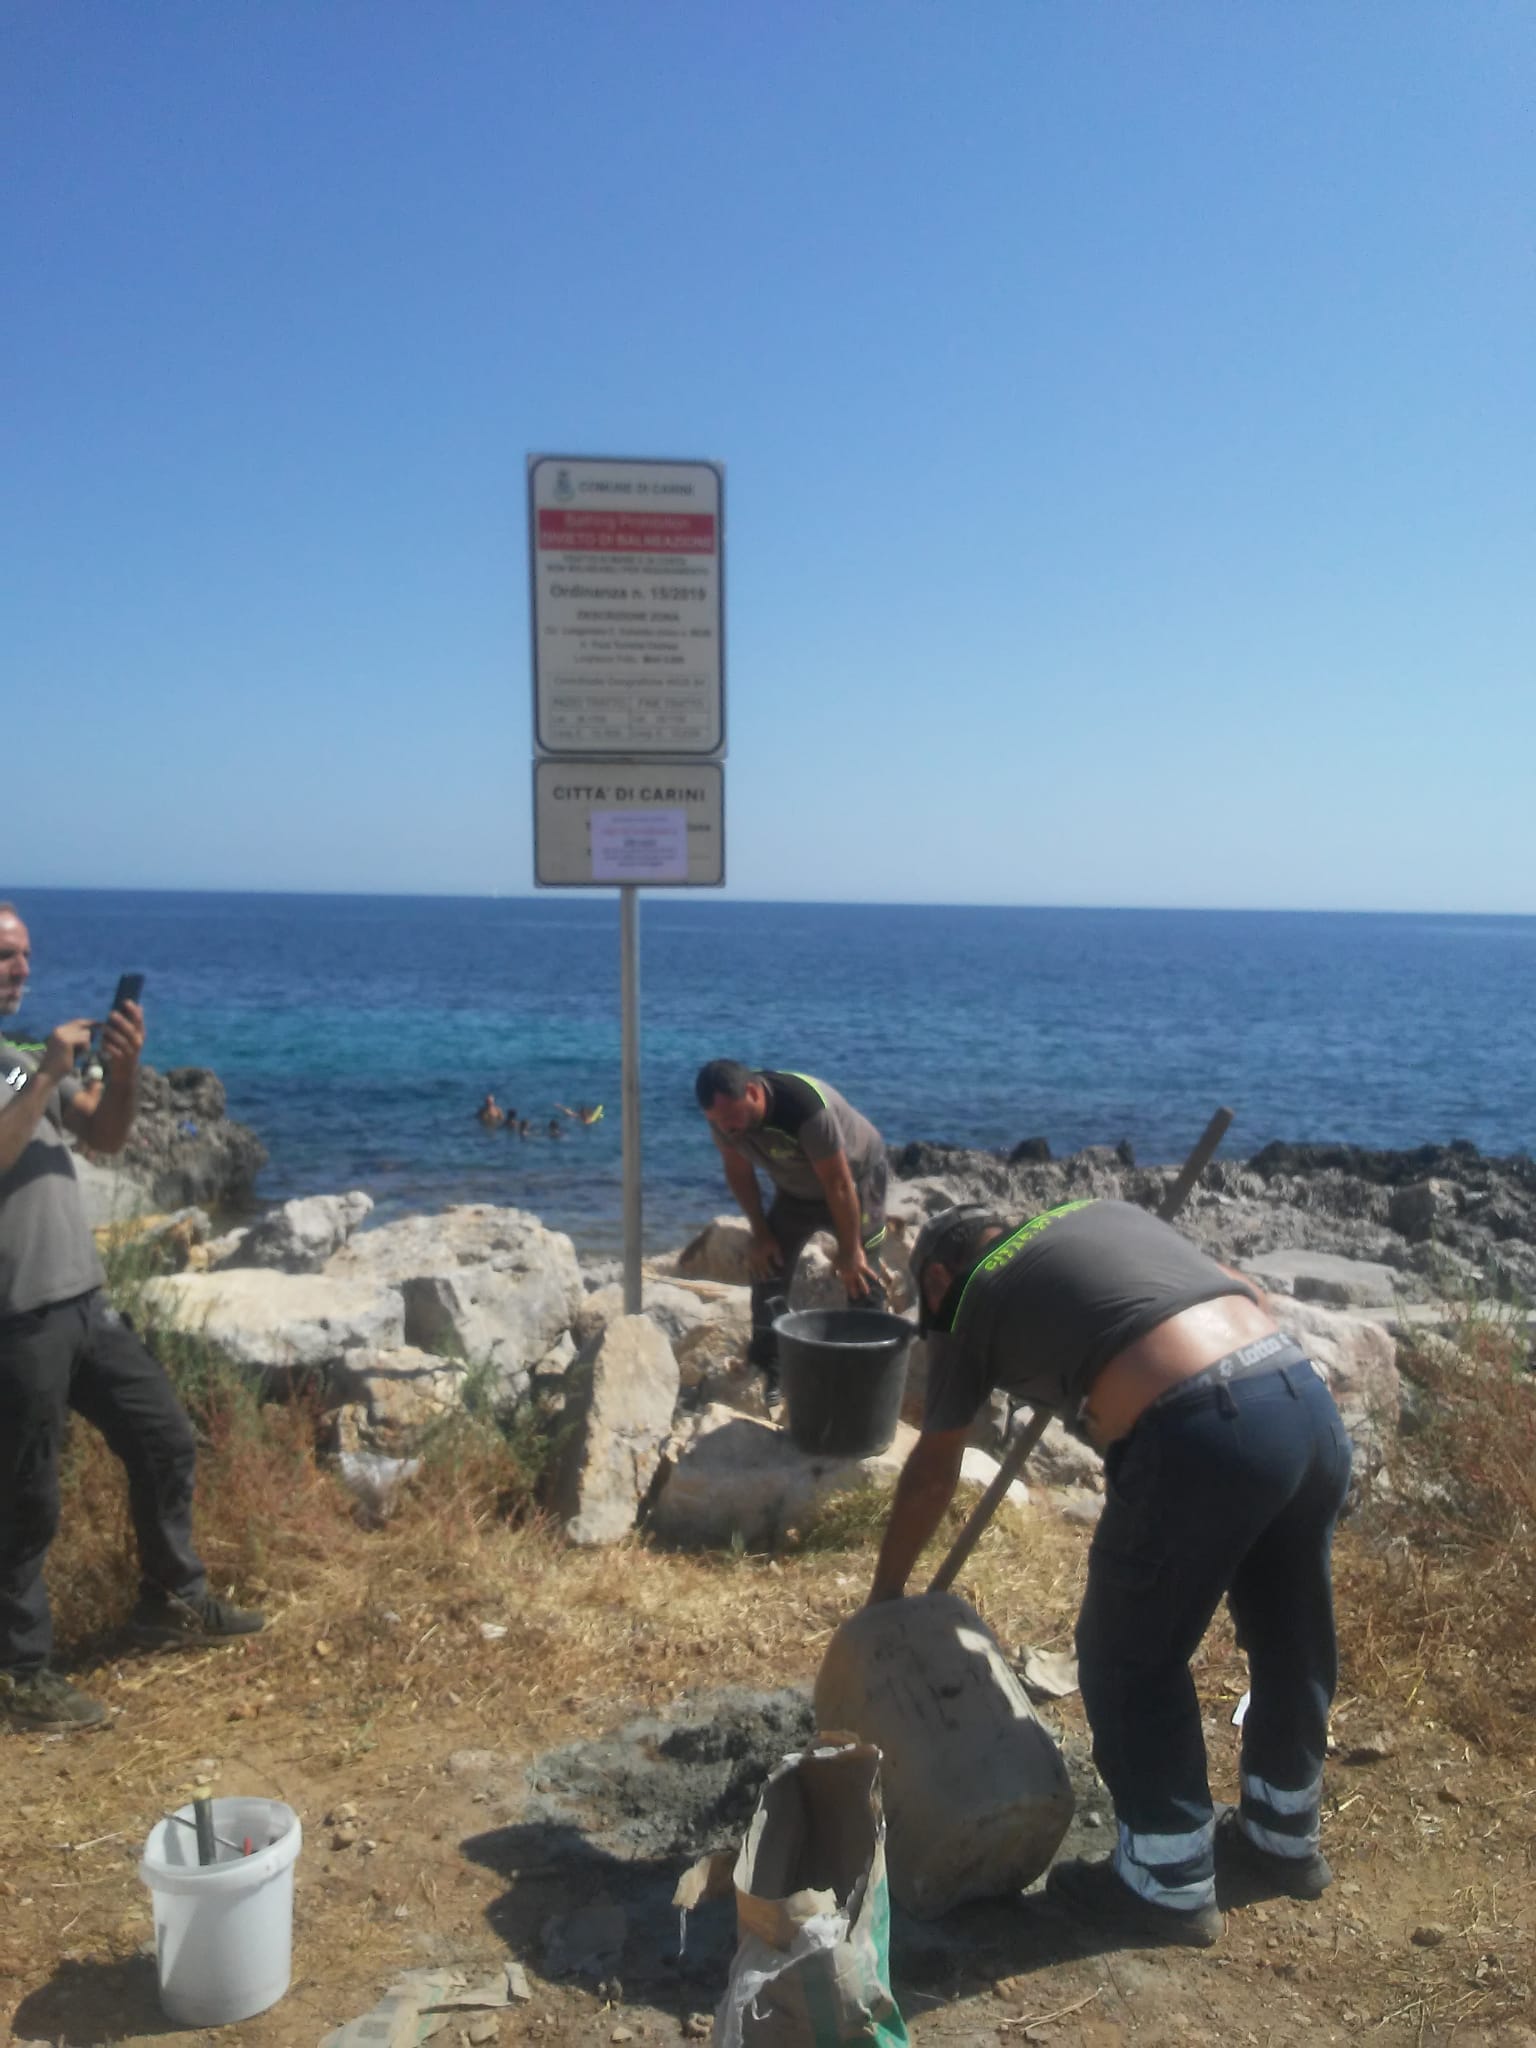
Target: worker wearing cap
x,y
1225,1467
827,1166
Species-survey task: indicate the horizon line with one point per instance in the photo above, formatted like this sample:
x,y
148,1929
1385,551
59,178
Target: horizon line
x,y
609,895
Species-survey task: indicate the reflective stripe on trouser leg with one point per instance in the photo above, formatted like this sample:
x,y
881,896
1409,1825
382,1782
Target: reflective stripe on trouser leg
x,y
1283,1822
1171,1870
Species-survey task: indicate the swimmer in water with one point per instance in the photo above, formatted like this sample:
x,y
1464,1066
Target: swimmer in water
x,y
555,1129
490,1113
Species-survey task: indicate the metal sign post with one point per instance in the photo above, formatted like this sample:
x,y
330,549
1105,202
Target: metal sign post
x,y
627,618
629,1060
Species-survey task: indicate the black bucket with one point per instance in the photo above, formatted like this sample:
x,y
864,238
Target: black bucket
x,y
843,1372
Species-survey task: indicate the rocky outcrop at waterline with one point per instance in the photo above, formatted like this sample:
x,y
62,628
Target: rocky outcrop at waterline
x,y
184,1149
1445,1219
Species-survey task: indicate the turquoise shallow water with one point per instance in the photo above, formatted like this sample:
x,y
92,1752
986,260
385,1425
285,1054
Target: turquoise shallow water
x,y
357,1033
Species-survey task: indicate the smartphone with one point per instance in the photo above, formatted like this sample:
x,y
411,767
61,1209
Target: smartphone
x,y
130,987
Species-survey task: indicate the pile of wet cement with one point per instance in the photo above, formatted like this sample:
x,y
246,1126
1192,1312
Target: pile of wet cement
x,y
670,1787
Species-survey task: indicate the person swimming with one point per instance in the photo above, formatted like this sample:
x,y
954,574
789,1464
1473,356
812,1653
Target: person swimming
x,y
583,1113
490,1113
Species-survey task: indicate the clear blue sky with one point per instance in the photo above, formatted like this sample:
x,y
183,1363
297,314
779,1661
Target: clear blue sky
x,y
1127,413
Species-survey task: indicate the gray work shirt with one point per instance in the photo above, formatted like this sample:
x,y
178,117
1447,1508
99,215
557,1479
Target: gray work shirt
x,y
47,1252
1045,1309
806,1120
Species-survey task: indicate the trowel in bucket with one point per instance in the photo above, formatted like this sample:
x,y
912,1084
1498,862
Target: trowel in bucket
x,y
977,1797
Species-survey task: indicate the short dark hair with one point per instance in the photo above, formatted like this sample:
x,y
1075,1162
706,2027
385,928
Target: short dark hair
x,y
721,1077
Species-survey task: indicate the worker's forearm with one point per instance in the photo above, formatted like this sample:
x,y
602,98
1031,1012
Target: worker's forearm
x,y
742,1182
924,1490
843,1206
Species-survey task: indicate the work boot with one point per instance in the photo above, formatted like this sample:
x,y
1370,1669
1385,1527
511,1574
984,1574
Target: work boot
x,y
44,1700
1096,1895
164,1621
1260,1873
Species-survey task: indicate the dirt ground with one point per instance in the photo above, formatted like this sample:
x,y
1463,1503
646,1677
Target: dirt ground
x,y
448,1821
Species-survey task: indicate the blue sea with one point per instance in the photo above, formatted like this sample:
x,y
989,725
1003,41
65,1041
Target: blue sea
x,y
357,1034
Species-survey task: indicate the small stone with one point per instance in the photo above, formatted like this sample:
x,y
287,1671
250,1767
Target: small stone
x,y
696,2027
1093,1820
338,1815
344,1836
517,1982
622,2034
1370,1749
484,2028
323,1649
1430,1935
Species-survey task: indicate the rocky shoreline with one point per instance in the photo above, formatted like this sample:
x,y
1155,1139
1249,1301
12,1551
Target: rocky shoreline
x,y
658,1420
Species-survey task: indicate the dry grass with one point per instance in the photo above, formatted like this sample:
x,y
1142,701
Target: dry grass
x,y
377,1667
1437,1587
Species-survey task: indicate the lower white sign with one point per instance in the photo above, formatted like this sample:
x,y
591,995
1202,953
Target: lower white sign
x,y
598,823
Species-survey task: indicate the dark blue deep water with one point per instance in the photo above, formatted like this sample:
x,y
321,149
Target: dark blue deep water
x,y
357,1033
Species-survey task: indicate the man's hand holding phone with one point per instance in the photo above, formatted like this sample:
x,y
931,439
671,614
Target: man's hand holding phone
x,y
122,1030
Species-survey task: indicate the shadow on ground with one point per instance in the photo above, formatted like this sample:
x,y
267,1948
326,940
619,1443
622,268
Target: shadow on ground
x,y
86,2003
555,1872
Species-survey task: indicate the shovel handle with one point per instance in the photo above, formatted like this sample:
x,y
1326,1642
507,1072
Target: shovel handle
x,y
1040,1419
1195,1165
986,1507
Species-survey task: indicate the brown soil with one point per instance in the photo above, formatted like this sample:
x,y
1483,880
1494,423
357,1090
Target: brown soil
x,y
375,1686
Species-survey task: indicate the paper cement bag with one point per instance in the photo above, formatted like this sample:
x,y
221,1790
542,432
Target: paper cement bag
x,y
813,1916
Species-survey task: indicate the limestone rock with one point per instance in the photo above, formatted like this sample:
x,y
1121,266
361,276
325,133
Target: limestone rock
x,y
283,1322
185,1148
622,1403
390,1397
1359,1359
301,1235
674,1310
1326,1277
719,1252
1061,1459
483,1284
1419,1210
730,1478
717,1346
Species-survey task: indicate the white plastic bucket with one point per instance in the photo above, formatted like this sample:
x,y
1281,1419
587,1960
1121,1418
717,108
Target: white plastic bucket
x,y
224,1930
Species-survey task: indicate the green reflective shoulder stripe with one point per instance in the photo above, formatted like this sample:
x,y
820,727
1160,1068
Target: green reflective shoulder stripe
x,y
1010,1247
814,1086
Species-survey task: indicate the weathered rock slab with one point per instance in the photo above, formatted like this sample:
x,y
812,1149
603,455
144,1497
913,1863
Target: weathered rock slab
x,y
621,1401
480,1283
729,1479
1326,1277
299,1236
283,1321
388,1399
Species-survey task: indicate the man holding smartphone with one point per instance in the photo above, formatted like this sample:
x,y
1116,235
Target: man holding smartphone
x,y
63,1346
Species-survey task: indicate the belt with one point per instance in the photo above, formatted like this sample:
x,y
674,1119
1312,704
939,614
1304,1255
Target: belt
x,y
1265,1354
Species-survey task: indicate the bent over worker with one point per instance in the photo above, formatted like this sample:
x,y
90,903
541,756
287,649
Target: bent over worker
x,y
827,1166
1225,1466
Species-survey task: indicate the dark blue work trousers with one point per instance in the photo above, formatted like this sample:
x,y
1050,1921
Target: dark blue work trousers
x,y
793,1221
80,1354
1223,1490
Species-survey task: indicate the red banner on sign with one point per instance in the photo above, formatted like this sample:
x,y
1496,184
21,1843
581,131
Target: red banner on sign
x,y
639,533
